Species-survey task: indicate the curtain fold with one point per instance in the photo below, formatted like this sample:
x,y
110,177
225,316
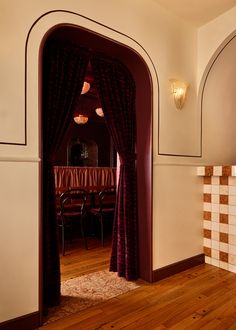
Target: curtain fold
x,y
116,89
63,74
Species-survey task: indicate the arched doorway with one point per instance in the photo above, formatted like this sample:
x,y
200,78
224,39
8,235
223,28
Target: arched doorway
x,y
142,80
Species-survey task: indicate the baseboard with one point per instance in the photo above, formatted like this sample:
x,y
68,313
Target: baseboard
x,y
26,322
177,267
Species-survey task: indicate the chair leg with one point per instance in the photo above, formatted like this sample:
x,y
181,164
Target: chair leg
x,y
102,238
82,233
63,240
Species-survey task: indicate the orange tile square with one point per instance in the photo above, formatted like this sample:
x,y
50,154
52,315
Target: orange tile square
x,y
207,180
207,198
224,180
224,237
224,218
207,233
224,199
209,170
224,256
207,251
207,215
226,170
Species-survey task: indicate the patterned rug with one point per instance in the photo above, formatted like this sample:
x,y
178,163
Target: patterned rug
x,y
85,291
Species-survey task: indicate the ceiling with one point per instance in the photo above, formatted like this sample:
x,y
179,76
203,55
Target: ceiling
x,y
197,12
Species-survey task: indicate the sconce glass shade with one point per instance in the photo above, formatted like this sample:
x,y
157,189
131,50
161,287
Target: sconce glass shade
x,y
81,119
179,91
85,88
99,112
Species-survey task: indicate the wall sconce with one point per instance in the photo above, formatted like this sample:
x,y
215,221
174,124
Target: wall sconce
x,y
179,91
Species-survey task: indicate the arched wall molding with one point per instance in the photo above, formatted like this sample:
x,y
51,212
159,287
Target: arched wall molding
x,y
206,73
27,146
36,37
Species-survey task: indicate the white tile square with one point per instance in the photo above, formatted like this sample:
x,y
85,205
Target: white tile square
x,y
232,220
224,209
215,189
232,239
224,228
224,190
215,217
232,249
232,229
215,208
215,235
201,170
215,254
215,262
233,170
207,207
232,181
215,226
207,188
215,199
232,209
215,180
232,190
224,265
207,242
206,224
232,268
224,247
215,245
232,199
232,259
217,170
207,260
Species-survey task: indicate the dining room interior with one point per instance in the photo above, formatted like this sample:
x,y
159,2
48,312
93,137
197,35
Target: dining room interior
x,y
86,162
85,178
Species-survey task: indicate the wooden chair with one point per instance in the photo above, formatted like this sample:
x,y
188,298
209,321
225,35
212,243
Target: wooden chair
x,y
105,208
72,209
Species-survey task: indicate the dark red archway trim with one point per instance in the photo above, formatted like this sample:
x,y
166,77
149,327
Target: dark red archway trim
x,y
142,78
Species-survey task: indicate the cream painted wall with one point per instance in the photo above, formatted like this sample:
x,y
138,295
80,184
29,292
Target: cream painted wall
x,y
210,38
216,52
18,238
177,224
172,47
170,43
218,108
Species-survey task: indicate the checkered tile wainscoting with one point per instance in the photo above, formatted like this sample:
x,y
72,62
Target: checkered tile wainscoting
x,y
219,215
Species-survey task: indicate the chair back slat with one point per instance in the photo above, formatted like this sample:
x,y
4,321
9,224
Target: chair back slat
x,y
73,199
107,198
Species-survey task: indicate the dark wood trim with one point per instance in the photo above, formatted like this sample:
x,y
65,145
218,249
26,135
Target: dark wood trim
x,y
27,322
180,155
177,267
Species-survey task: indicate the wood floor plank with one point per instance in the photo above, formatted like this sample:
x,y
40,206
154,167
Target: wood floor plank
x,y
203,297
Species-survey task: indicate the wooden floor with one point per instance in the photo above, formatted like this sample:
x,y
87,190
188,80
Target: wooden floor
x,y
78,261
203,297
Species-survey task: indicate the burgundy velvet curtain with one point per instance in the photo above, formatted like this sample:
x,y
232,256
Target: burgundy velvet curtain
x,y
63,73
116,90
